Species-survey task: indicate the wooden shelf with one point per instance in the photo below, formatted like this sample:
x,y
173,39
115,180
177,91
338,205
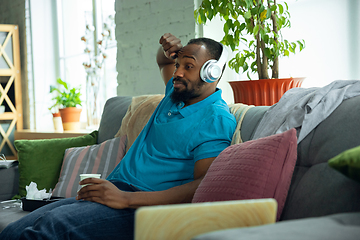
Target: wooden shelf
x,y
10,87
35,134
7,116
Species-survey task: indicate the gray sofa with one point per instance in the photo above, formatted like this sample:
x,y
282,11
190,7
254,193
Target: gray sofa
x,y
321,203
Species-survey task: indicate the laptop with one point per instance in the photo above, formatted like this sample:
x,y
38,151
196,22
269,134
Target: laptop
x,y
185,221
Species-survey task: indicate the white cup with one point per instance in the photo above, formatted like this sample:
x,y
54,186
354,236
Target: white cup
x,y
89,175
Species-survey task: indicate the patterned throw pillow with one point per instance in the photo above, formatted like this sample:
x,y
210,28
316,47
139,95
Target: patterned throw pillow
x,y
101,158
255,169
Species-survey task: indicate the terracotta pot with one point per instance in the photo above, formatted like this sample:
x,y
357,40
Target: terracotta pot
x,y
70,118
263,92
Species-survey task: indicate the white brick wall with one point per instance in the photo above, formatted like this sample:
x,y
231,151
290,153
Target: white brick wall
x,y
139,26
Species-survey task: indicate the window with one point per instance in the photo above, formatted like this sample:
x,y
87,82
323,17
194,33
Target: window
x,y
55,49
73,18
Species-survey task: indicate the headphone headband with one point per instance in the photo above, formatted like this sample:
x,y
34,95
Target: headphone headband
x,y
224,56
211,70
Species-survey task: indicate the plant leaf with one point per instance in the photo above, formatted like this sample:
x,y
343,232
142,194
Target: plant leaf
x,y
256,29
281,8
268,13
273,8
263,15
267,52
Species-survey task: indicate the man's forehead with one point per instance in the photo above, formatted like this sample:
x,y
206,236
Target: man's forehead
x,y
193,51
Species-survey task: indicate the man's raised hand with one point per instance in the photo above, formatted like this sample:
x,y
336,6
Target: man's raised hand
x,y
171,45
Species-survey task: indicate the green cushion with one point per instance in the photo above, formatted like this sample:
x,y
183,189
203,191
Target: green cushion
x,y
40,161
348,163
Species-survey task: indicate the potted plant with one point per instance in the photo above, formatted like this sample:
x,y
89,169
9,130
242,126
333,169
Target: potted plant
x,y
67,100
257,25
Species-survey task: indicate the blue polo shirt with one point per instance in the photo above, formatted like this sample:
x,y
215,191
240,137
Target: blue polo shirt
x,y
164,154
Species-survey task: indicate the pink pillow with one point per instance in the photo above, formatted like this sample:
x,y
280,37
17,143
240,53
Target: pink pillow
x,y
101,158
255,169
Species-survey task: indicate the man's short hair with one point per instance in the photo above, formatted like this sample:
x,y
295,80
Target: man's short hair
x,y
213,47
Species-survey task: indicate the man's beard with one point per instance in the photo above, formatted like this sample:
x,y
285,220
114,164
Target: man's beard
x,y
185,95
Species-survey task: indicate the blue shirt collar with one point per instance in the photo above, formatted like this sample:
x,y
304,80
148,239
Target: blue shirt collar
x,y
186,111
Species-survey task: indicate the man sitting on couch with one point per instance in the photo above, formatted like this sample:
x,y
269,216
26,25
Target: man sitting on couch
x,y
166,163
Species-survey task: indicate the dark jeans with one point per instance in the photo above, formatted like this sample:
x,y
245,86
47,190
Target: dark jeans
x,y
72,219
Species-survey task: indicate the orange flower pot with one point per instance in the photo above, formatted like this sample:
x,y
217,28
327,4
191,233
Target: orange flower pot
x,y
263,92
70,118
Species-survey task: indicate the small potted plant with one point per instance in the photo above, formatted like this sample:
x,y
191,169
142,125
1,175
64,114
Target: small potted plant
x,y
257,25
67,100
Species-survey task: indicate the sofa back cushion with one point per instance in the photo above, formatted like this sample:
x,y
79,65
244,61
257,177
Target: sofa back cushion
x,y
251,120
316,188
113,113
9,179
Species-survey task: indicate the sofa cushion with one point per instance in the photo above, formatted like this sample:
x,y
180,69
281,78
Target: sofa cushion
x,y
40,160
113,113
10,212
348,163
345,226
101,158
239,111
255,169
317,189
251,120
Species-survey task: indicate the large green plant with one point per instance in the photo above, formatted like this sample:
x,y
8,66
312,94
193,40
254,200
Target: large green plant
x,y
257,24
65,97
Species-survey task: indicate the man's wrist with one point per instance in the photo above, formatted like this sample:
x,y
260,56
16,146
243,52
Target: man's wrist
x,y
132,199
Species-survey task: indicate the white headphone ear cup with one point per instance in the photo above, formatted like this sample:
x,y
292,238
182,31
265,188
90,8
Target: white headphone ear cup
x,y
206,72
212,69
215,71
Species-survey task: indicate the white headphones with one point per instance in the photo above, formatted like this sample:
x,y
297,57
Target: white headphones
x,y
212,69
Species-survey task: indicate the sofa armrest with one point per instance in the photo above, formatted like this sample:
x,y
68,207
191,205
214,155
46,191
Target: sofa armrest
x,y
344,226
9,179
184,221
